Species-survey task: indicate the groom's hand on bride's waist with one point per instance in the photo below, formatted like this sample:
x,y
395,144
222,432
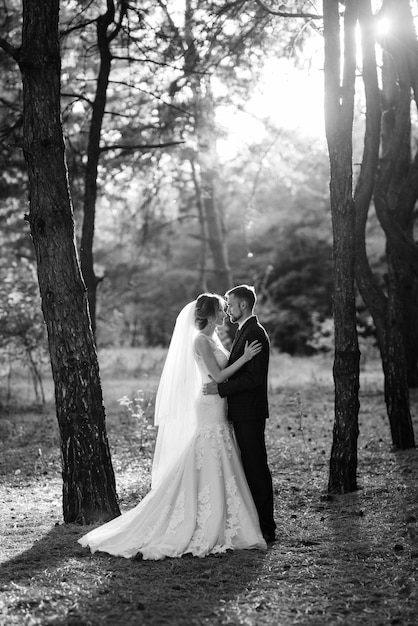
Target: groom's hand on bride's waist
x,y
209,389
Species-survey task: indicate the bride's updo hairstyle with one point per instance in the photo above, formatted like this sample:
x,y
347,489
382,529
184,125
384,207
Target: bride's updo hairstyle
x,y
207,305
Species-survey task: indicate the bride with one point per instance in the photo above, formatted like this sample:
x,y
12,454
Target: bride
x,y
199,502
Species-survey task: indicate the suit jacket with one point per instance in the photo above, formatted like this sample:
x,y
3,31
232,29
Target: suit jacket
x,y
246,390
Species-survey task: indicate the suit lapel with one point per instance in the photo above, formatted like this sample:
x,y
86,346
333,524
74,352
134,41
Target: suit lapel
x,y
237,334
238,337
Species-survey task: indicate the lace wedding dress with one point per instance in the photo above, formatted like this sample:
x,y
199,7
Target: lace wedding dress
x,y
202,505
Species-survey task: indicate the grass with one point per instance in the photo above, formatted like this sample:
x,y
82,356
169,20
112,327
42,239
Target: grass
x,y
347,560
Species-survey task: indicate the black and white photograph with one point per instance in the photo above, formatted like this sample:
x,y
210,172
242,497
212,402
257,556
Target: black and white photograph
x,y
208,312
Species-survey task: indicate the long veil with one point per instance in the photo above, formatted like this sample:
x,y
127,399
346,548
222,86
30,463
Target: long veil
x,y
175,412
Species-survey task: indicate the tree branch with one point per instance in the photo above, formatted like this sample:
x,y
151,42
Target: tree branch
x,y
151,94
373,295
144,146
307,16
76,96
81,25
174,28
9,49
122,13
160,63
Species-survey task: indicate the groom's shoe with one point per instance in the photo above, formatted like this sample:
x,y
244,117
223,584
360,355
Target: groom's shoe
x,y
269,537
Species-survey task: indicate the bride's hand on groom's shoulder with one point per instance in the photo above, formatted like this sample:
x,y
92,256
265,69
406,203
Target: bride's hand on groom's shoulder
x,y
251,350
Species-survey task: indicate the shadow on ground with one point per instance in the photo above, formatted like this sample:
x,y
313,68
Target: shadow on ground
x,y
41,583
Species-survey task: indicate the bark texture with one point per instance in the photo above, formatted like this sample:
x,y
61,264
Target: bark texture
x,y
104,38
385,308
89,492
339,108
400,70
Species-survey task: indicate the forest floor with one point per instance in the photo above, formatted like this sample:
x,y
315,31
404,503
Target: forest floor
x,y
350,559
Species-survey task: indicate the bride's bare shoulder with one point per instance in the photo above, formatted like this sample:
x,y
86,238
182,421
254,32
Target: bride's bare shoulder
x,y
202,343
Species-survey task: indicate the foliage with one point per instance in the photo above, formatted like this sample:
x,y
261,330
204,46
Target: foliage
x,y
141,409
323,333
141,310
276,217
149,247
22,330
299,284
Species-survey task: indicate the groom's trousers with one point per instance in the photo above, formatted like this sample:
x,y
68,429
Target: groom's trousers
x,y
251,442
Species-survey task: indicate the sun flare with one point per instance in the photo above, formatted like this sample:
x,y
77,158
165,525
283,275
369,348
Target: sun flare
x,y
288,98
383,26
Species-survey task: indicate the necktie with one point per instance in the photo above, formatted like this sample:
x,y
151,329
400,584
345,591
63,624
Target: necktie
x,y
236,337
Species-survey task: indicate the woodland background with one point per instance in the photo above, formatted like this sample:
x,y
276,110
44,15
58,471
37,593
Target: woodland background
x,y
152,251
197,159
196,183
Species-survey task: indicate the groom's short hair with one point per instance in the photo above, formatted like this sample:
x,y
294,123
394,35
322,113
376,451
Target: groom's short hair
x,y
244,292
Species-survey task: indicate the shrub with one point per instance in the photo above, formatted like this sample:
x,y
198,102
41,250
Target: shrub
x,y
22,329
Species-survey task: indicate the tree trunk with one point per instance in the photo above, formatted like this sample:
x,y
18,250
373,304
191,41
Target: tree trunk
x,y
208,161
385,310
394,366
93,154
409,299
207,158
89,492
216,233
339,108
400,70
202,278
395,164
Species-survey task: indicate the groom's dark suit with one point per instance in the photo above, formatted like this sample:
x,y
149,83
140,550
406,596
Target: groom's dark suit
x,y
246,393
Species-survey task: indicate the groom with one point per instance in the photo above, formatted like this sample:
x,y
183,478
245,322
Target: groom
x,y
246,393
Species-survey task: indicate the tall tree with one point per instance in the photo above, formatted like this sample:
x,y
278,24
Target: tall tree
x,y
107,31
339,111
219,44
207,158
399,87
89,492
383,178
199,56
123,53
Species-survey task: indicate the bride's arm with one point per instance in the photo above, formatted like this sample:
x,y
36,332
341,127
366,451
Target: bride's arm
x,y
204,348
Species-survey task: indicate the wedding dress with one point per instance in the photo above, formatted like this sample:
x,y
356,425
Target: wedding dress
x,y
202,505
